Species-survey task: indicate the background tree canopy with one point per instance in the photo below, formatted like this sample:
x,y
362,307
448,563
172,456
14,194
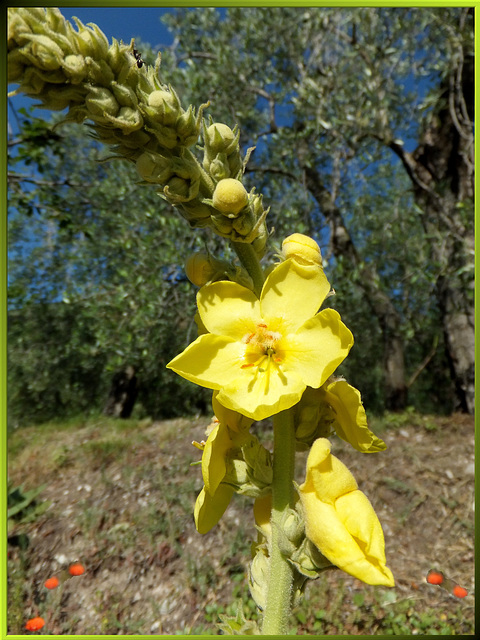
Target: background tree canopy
x,y
362,123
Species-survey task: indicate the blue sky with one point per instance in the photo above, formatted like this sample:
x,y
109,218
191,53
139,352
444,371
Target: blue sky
x,y
125,23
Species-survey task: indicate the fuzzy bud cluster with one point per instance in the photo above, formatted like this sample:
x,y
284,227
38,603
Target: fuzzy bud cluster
x,y
79,70
221,151
142,119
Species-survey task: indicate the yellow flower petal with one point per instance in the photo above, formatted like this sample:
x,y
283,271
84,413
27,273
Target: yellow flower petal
x,y
340,520
260,396
209,509
228,309
293,293
233,419
351,419
209,361
213,458
326,474
318,347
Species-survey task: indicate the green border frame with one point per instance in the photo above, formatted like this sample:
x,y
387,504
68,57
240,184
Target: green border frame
x,y
3,231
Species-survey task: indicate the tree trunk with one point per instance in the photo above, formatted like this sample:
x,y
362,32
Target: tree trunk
x,y
379,302
123,394
441,170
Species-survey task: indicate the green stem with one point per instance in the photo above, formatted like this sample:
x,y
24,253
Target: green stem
x,y
279,593
249,259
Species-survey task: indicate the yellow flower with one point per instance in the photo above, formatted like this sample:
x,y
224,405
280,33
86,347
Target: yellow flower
x,y
215,497
340,520
261,354
350,418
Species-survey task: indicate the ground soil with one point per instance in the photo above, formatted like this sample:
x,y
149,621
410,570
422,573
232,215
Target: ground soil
x,y
162,582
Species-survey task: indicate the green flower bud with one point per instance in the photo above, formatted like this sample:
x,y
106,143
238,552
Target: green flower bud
x,y
99,73
125,95
127,119
196,213
244,223
230,197
222,225
293,526
165,136
219,138
260,241
75,68
164,106
258,576
101,101
44,52
153,167
187,126
218,168
179,190
91,41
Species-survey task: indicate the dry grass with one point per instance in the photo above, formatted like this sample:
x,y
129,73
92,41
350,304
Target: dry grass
x,y
122,496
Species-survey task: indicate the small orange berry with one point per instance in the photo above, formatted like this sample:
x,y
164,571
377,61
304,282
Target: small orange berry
x,y
76,569
434,577
52,583
459,592
35,624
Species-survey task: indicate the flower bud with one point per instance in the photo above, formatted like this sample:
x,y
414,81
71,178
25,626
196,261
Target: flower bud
x,y
219,137
154,167
127,119
258,574
302,249
230,197
75,68
222,225
199,269
164,106
125,95
44,52
101,101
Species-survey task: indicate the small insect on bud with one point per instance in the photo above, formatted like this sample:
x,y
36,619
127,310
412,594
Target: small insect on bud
x,y
138,57
230,197
302,249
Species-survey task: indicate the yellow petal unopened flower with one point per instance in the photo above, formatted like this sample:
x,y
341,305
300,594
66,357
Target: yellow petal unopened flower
x,y
215,496
230,196
340,520
199,269
303,249
350,418
261,354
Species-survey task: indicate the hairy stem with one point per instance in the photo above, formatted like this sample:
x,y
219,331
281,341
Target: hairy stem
x,y
249,259
279,594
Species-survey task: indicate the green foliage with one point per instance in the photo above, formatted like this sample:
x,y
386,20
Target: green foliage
x,y
94,259
23,508
101,288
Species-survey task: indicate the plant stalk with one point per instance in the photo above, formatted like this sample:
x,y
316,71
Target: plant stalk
x,y
249,259
279,592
